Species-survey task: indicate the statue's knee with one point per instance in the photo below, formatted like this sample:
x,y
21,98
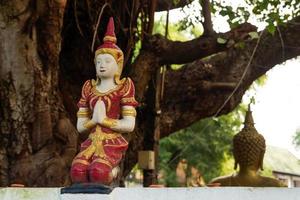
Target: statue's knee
x,y
79,173
100,173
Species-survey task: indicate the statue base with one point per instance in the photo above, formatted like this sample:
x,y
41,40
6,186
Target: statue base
x,y
87,188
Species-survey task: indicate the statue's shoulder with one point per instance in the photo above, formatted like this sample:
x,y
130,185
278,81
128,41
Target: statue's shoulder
x,y
128,93
87,86
128,81
89,83
271,182
128,85
222,180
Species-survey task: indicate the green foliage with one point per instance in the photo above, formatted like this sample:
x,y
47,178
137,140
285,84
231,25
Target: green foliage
x,y
221,40
136,51
192,16
272,12
296,138
253,35
227,166
235,16
174,32
205,145
261,80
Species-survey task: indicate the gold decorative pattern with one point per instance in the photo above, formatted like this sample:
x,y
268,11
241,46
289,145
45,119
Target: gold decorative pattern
x,y
109,123
82,101
87,153
96,147
99,136
84,162
89,124
127,87
93,82
86,88
108,103
128,100
100,160
99,151
83,114
98,93
110,38
129,112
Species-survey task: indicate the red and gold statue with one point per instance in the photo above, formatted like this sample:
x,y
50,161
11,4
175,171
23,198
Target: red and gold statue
x,y
106,110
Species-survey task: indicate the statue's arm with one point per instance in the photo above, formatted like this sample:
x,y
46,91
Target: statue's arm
x,y
84,121
124,125
128,103
128,113
127,122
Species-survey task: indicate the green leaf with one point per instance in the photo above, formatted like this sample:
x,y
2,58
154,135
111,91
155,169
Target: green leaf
x,y
240,45
253,35
175,2
271,28
286,16
221,40
264,5
256,10
223,13
233,24
275,16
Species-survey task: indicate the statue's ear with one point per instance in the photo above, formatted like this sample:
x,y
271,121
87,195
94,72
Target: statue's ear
x,y
235,165
235,160
261,160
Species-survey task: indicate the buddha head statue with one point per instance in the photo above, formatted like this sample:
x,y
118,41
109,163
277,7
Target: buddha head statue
x,y
109,57
248,145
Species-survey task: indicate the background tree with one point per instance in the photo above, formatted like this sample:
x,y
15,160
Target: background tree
x,y
47,53
296,138
205,145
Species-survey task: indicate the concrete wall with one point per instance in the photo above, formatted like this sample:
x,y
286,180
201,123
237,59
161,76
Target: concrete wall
x,y
156,194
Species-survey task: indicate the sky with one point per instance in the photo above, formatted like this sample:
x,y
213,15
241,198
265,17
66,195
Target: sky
x,y
277,105
276,111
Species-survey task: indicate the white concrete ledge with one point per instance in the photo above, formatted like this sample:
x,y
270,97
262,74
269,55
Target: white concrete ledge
x,y
29,193
228,193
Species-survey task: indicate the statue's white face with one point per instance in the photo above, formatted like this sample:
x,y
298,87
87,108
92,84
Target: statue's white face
x,y
106,66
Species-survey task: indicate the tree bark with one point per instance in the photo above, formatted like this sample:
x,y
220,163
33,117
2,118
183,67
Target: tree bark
x,y
207,84
45,56
164,5
38,140
175,52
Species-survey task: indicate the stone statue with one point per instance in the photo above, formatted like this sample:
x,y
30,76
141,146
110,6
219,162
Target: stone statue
x,y
195,179
248,151
181,169
106,110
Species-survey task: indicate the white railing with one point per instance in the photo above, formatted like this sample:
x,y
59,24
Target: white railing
x,y
225,193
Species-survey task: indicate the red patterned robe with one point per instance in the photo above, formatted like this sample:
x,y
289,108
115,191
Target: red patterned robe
x,y
104,148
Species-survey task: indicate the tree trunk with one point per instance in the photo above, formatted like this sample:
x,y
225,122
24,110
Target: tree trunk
x,y
46,54
38,140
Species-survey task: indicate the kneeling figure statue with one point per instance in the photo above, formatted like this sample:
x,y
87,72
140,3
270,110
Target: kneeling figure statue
x,y
106,109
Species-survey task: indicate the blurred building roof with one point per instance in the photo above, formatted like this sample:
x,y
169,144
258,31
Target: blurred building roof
x,y
282,161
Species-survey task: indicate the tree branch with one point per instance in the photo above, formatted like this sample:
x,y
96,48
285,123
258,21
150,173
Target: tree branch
x,y
164,5
208,26
193,100
175,52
